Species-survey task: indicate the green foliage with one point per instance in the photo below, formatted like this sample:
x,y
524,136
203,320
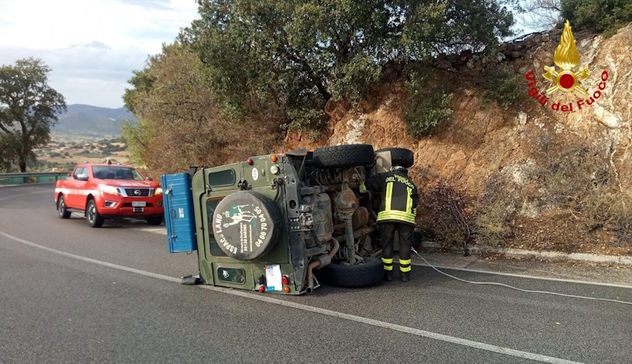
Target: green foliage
x,y
137,136
179,123
503,86
427,107
598,15
286,59
28,108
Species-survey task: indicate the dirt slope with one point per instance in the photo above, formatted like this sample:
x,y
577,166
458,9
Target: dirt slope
x,y
554,176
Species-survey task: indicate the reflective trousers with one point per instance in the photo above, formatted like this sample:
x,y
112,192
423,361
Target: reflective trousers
x,y
387,234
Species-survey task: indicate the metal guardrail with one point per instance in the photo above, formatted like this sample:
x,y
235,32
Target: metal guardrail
x,y
34,177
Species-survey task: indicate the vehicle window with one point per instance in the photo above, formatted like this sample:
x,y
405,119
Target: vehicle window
x,y
232,275
79,171
116,172
211,205
222,178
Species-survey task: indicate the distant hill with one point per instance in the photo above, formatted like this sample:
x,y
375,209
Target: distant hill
x,y
92,120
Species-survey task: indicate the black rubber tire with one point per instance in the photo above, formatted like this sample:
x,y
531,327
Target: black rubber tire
x,y
343,156
400,156
92,214
62,211
370,273
154,220
252,214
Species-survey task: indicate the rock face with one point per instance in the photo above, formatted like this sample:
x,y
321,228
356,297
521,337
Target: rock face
x,y
521,148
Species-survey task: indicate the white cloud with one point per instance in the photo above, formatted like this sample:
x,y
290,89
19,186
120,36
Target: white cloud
x,y
92,46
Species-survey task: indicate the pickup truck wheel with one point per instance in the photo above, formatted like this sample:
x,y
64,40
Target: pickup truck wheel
x,y
369,273
400,156
61,208
343,156
92,214
154,220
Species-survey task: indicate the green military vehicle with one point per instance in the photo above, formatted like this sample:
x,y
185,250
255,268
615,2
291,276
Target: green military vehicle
x,y
282,223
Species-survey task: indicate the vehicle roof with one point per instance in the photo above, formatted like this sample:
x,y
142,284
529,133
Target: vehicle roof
x,y
105,165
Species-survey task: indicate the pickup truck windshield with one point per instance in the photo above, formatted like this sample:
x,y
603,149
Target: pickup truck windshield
x,y
113,172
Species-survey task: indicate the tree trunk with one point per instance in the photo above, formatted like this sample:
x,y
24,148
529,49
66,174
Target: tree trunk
x,y
22,164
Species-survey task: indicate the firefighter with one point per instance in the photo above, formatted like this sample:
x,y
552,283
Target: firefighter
x,y
397,212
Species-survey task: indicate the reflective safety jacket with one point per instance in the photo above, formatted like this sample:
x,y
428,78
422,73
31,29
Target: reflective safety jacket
x,y
399,197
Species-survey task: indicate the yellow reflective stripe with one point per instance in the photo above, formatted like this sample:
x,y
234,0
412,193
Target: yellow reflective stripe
x,y
387,260
409,200
404,261
405,269
389,196
396,215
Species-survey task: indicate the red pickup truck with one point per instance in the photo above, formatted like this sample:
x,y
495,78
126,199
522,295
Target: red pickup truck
x,y
103,191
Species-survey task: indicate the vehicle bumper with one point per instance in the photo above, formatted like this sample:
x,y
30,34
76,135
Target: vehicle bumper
x,y
111,206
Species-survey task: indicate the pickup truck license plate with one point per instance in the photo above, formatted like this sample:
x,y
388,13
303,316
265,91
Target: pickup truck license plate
x,y
138,209
139,204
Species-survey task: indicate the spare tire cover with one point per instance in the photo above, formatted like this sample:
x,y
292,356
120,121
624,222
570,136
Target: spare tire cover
x,y
245,225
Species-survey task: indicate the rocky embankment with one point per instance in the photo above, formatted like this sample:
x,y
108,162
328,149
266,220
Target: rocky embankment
x,y
532,176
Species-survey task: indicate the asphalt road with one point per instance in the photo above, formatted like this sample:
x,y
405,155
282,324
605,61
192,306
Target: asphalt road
x,y
73,294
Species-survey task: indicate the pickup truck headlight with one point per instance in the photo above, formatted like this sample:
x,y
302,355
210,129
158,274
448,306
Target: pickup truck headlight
x,y
110,190
158,191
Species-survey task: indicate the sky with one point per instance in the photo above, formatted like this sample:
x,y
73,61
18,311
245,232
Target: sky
x,y
92,46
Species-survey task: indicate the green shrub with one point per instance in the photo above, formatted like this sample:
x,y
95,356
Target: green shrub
x,y
428,107
605,16
502,85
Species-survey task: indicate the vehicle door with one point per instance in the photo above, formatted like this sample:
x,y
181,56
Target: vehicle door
x,y
75,191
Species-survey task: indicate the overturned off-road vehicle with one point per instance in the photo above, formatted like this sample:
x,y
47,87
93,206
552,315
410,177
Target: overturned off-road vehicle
x,y
282,223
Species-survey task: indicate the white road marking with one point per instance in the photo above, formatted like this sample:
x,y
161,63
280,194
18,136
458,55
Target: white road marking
x,y
313,309
153,230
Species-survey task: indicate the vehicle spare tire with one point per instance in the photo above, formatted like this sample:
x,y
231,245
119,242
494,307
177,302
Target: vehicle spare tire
x,y
400,156
342,156
246,225
369,273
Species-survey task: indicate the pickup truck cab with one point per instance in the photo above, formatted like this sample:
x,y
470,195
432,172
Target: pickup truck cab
x,y
103,191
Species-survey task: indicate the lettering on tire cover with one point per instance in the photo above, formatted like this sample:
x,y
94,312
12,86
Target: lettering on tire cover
x,y
248,220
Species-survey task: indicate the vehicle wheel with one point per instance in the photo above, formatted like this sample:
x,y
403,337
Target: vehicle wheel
x,y
154,220
342,156
369,273
62,211
400,156
246,225
93,216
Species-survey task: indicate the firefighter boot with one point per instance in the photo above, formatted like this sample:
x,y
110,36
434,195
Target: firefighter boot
x,y
388,269
388,275
404,269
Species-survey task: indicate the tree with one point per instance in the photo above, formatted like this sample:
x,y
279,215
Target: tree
x,y
597,15
178,122
28,108
294,56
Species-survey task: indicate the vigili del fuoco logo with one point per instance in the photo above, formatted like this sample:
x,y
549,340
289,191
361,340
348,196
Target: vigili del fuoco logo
x,y
565,78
